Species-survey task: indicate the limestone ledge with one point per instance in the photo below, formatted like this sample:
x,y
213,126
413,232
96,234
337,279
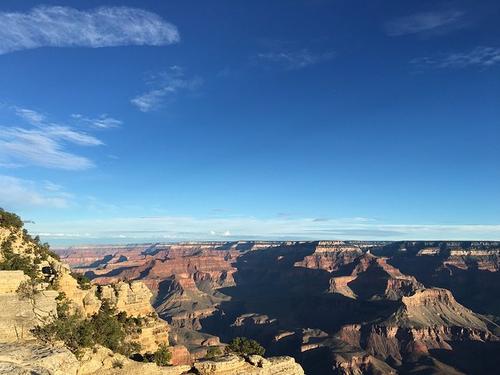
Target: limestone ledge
x,y
38,359
18,315
255,365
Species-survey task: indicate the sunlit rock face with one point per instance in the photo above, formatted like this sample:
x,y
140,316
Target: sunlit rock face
x,y
255,365
331,255
32,358
20,314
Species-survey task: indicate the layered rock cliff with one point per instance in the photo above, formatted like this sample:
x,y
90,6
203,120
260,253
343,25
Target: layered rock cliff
x,y
430,319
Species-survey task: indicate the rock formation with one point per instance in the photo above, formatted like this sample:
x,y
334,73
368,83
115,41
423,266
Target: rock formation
x,y
331,255
373,278
429,319
23,358
19,313
30,297
336,306
254,365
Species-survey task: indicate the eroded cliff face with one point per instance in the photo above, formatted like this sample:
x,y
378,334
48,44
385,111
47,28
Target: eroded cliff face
x,y
31,301
486,260
373,278
430,319
19,313
330,256
184,279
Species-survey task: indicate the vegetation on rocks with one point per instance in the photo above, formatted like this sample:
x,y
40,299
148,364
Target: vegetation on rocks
x,y
213,352
28,263
245,346
13,262
162,356
82,280
104,328
8,220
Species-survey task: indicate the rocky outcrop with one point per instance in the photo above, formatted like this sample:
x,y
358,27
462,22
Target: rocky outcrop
x,y
330,256
485,260
132,298
28,302
429,319
102,361
254,365
435,307
352,361
373,278
36,359
180,355
83,301
21,311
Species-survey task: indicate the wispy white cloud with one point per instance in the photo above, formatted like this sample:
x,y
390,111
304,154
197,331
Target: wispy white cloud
x,y
33,117
165,85
479,57
50,186
294,59
151,229
43,144
20,147
19,193
426,22
102,121
59,26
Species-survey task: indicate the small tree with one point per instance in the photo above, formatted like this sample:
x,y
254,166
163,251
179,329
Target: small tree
x,y
107,329
27,290
162,356
82,280
245,346
213,352
8,219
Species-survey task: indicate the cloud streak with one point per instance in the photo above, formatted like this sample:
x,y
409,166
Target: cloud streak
x,y
44,144
294,59
425,22
18,193
479,57
165,85
101,122
59,26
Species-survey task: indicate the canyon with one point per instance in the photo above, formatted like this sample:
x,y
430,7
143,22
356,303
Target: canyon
x,y
337,307
54,322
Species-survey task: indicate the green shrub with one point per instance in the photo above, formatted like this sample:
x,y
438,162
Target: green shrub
x,y
162,356
82,280
213,352
8,220
245,346
102,328
27,290
17,262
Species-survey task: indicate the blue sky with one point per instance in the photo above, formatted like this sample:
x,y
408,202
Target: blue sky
x,y
130,121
